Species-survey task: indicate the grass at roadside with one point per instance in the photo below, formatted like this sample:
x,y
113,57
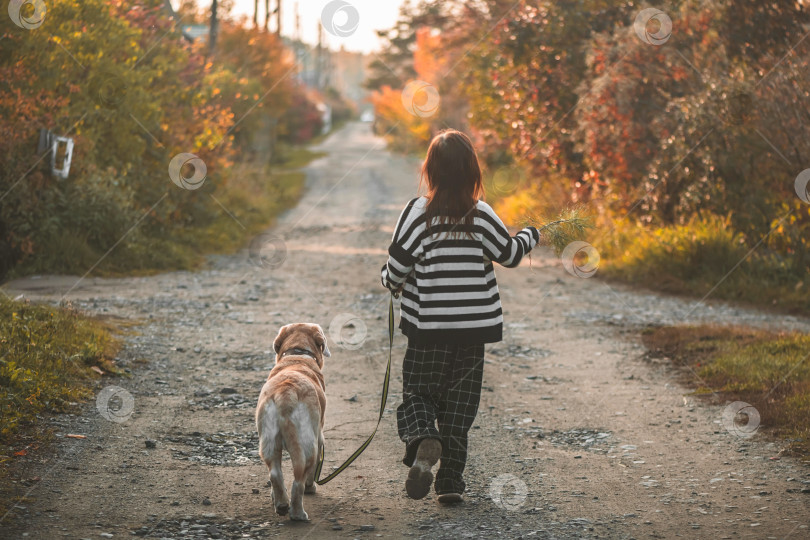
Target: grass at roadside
x,y
222,221
707,256
769,370
251,203
49,359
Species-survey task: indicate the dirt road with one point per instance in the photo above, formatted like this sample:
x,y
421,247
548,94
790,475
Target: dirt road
x,y
578,436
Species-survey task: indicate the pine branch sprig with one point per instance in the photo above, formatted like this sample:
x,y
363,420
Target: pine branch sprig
x,y
571,225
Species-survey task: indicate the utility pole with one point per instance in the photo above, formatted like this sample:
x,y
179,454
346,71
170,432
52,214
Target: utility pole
x,y
278,18
297,35
319,57
212,32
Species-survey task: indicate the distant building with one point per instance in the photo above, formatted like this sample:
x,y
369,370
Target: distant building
x,y
322,68
349,71
193,32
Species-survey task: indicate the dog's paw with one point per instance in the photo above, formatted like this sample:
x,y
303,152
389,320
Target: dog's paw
x,y
299,516
310,490
282,509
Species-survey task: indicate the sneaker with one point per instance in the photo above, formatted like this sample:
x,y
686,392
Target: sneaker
x,y
420,476
450,498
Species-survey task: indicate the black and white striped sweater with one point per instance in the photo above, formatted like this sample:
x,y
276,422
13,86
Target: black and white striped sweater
x,y
450,293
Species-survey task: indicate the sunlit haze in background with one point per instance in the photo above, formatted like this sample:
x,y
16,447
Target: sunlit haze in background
x,y
374,15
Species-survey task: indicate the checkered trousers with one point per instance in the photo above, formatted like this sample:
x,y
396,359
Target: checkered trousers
x,y
441,386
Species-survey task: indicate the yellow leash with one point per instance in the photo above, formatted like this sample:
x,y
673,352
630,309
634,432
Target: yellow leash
x,y
382,406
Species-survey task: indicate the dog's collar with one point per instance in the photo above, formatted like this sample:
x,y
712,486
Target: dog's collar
x,y
298,351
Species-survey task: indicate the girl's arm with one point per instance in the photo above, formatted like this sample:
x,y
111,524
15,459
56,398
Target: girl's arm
x,y
401,259
499,246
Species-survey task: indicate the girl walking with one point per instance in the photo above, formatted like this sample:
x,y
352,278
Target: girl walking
x,y
441,259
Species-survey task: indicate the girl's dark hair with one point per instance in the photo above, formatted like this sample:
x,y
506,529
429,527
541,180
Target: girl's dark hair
x,y
453,177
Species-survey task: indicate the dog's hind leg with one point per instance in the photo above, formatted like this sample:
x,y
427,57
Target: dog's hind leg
x,y
281,501
270,446
302,444
310,487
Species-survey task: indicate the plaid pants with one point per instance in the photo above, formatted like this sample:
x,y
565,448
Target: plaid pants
x,y
441,384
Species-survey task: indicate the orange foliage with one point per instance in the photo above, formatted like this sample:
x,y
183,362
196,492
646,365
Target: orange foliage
x,y
428,58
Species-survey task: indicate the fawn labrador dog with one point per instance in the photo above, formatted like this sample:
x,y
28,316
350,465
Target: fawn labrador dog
x,y
290,413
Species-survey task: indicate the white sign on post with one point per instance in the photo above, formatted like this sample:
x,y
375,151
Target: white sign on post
x,y
66,145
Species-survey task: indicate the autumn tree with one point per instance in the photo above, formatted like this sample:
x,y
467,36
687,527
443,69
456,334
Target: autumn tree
x,y
133,92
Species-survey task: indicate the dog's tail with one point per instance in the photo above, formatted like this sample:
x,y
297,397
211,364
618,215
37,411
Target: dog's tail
x,y
301,434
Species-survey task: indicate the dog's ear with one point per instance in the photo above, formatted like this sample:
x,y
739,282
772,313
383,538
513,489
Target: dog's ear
x,y
282,335
320,341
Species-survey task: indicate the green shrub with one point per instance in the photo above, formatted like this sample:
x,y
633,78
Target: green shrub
x,y
706,255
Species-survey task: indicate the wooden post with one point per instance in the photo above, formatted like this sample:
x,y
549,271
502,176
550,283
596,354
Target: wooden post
x,y
297,35
278,18
212,32
319,57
